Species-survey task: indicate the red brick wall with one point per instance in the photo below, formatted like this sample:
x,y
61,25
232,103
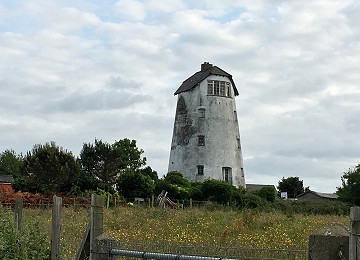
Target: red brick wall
x,y
6,188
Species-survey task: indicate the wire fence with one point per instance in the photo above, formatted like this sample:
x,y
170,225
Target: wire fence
x,y
200,251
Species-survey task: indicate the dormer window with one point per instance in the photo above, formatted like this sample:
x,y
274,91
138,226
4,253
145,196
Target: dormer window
x,y
219,88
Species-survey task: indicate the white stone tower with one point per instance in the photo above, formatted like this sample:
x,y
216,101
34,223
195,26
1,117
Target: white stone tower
x,y
206,138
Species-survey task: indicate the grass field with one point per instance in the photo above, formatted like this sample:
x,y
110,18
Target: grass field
x,y
246,228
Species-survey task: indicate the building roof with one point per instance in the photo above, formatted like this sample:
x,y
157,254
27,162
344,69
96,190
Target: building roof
x,y
207,69
6,179
320,194
257,187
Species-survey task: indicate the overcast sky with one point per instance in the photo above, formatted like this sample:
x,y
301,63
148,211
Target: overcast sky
x,y
73,71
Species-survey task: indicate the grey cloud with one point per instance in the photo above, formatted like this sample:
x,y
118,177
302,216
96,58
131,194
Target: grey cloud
x,y
99,100
295,66
118,82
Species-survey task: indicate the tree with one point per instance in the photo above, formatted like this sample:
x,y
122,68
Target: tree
x,y
48,169
292,185
107,162
133,184
176,178
10,163
147,171
350,190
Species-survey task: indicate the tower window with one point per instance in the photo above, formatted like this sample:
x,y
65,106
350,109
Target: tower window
x,y
201,112
219,88
228,90
201,140
227,174
238,142
200,170
222,88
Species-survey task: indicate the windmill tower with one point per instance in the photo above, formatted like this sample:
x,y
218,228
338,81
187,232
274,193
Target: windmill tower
x,y
206,139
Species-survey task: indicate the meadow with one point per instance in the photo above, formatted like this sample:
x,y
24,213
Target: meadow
x,y
196,226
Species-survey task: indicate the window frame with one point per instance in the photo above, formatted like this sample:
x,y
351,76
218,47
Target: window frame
x,y
218,88
201,112
227,174
201,140
200,170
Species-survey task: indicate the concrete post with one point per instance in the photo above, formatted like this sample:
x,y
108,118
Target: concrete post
x,y
102,246
96,218
331,243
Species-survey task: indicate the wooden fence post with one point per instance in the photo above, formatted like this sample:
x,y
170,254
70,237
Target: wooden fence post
x,y
354,249
107,200
55,228
96,218
18,213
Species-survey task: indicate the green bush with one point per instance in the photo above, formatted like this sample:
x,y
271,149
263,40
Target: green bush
x,y
251,201
217,191
321,207
30,243
174,192
316,207
267,193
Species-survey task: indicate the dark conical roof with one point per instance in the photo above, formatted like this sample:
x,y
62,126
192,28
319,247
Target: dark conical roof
x,y
207,69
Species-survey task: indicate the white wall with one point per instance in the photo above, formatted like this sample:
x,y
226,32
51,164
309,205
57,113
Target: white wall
x,y
221,131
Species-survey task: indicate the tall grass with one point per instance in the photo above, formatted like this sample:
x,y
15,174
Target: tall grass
x,y
29,243
209,228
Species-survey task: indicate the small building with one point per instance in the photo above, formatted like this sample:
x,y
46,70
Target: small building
x,y
252,188
313,195
6,182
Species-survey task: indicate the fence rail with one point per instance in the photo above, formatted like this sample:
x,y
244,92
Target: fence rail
x,y
217,251
160,256
322,246
237,253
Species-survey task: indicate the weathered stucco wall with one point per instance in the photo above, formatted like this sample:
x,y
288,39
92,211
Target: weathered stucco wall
x,y
221,132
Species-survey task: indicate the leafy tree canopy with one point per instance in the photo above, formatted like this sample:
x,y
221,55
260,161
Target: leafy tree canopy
x,y
47,169
147,171
10,163
177,178
292,185
350,190
133,184
108,161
